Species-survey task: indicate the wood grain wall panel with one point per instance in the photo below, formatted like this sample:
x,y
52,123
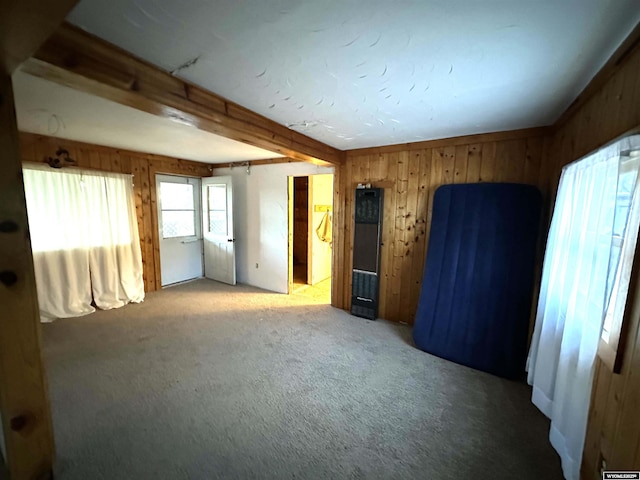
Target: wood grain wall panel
x,y
533,158
105,161
136,171
610,111
337,261
410,226
488,163
418,235
461,164
94,160
598,397
474,162
401,212
388,236
159,165
27,445
143,167
410,174
148,257
610,414
448,160
349,219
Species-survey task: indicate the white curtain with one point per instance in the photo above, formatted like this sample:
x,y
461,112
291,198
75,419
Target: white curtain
x,y
582,259
85,241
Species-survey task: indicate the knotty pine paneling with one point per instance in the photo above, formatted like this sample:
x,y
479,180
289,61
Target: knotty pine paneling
x,y
143,167
410,174
613,109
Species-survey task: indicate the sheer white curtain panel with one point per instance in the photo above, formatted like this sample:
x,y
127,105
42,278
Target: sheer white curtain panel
x,y
581,260
85,240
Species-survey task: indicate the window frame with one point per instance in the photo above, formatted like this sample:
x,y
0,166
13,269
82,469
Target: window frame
x,y
225,210
196,210
611,350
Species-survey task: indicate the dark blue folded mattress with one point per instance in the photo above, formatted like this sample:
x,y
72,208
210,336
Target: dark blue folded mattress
x,y
475,301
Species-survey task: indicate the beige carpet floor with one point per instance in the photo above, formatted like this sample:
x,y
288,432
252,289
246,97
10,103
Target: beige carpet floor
x,y
319,293
207,381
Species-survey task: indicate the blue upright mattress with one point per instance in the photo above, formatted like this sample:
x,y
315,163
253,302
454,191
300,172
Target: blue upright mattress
x,y
475,301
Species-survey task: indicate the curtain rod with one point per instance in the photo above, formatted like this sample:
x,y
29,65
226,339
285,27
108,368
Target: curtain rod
x,y
71,168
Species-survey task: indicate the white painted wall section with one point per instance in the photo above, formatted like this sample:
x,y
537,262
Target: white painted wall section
x,y
261,221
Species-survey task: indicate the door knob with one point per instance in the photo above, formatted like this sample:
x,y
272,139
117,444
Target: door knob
x,y
231,239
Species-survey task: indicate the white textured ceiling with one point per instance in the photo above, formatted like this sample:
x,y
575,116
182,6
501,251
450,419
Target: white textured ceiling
x,y
364,73
51,109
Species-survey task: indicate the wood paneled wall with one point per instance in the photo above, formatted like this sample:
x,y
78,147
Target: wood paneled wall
x,y
613,431
410,174
143,167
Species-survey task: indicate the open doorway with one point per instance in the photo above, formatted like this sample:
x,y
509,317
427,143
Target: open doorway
x,y
310,235
189,247
179,228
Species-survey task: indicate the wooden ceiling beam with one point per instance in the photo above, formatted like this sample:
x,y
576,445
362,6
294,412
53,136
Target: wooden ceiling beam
x,y
80,60
266,161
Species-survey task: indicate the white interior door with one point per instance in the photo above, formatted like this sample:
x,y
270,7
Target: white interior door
x,y
180,228
217,228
